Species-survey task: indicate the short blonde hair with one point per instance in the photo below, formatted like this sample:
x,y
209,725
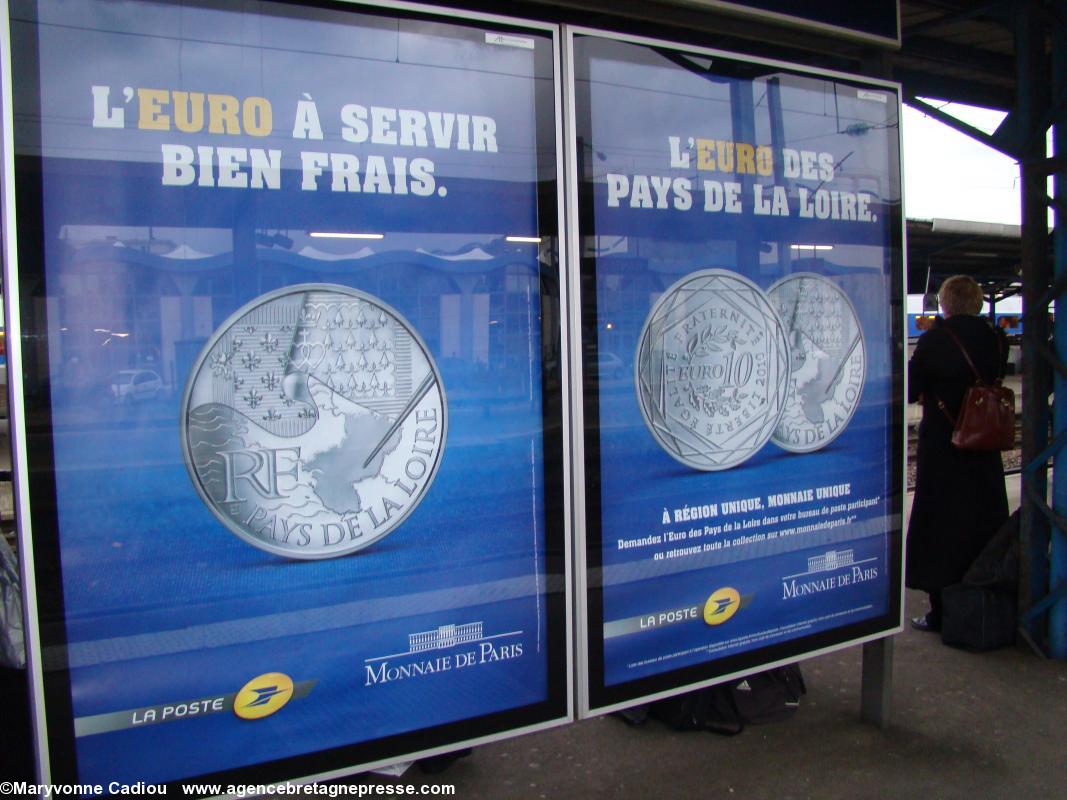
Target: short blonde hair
x,y
961,294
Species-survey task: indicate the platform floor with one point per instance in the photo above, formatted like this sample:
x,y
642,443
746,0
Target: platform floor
x,y
963,725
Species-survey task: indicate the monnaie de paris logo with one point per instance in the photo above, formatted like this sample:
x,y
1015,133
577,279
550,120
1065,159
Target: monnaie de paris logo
x,y
314,421
711,370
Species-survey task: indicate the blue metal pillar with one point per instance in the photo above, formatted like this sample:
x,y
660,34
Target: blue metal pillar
x,y
1041,101
1031,102
1057,619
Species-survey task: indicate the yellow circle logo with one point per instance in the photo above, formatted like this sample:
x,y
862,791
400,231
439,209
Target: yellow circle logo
x,y
263,695
722,605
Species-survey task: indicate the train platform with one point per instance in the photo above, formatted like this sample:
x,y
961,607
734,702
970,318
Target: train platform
x,y
962,725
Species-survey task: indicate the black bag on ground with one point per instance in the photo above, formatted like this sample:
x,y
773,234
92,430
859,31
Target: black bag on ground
x,y
981,613
997,566
767,696
708,709
977,618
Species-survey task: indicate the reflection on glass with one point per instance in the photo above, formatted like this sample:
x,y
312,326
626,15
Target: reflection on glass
x,y
179,164
741,260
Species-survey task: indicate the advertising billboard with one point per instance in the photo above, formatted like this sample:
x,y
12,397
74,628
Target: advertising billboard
x,y
285,300
739,235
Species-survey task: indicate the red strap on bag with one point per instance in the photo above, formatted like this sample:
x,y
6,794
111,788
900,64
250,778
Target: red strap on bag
x,y
987,416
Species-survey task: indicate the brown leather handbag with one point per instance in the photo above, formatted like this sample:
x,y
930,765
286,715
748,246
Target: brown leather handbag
x,y
987,417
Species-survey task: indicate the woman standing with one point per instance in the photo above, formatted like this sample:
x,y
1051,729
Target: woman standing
x,y
960,500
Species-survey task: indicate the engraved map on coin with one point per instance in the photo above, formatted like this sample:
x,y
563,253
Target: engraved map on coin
x,y
829,361
313,421
711,370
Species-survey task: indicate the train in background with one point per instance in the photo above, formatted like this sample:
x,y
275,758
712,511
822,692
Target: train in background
x,y
1009,316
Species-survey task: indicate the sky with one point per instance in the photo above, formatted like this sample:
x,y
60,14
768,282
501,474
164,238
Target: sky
x,y
949,175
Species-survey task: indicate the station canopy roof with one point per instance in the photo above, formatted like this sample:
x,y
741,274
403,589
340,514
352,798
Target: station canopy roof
x,y
988,252
954,50
950,50
957,50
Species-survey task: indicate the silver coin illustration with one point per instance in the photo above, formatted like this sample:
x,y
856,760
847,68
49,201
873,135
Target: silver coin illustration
x,y
314,421
711,369
828,361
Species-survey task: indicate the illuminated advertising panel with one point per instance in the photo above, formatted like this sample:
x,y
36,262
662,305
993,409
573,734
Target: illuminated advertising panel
x,y
740,311
287,300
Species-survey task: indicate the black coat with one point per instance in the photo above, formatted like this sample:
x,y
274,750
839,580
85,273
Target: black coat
x,y
960,500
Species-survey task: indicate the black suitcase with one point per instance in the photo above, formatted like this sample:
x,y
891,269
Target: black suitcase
x,y
977,618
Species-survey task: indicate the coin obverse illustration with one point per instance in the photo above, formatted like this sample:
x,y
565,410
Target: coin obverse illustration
x,y
828,361
313,421
711,369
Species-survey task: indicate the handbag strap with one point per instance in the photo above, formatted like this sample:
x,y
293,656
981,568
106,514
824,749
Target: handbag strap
x,y
945,411
966,357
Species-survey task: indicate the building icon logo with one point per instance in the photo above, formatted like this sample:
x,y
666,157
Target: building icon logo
x,y
830,560
444,637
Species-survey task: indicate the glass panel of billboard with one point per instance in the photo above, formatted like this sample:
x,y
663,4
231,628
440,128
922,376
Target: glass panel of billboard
x,y
740,313
290,333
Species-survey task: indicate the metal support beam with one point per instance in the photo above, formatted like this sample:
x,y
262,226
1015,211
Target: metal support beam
x,y
1049,166
956,55
876,690
1057,614
976,12
1053,518
1058,205
1054,598
743,120
1031,102
1057,364
951,121
778,141
926,84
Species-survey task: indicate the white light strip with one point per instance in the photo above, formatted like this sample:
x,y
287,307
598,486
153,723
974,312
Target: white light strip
x,y
331,235
523,239
811,246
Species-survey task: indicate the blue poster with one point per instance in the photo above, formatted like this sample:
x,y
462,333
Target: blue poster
x,y
741,320
291,329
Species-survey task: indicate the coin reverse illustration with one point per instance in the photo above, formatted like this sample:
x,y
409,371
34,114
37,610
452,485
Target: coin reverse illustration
x,y
711,370
828,361
313,421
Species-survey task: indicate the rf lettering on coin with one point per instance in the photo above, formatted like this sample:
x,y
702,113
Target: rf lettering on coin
x,y
712,370
829,361
314,421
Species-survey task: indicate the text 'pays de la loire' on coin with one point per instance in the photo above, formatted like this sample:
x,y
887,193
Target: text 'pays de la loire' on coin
x,y
711,369
828,361
314,421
